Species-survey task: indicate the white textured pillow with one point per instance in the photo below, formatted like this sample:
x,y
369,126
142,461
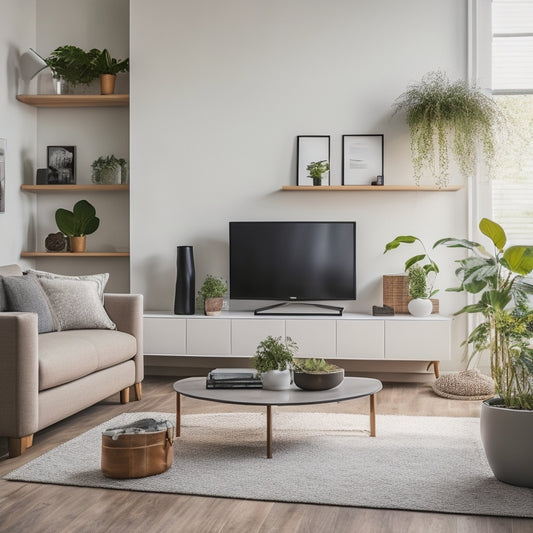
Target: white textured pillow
x,y
76,304
101,279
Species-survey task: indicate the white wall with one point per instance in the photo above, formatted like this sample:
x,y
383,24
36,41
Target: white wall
x,y
219,92
17,126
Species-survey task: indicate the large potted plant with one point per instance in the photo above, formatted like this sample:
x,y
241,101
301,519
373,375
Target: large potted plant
x,y
449,118
77,224
273,360
498,281
211,295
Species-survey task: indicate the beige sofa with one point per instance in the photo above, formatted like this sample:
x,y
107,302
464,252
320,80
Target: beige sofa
x,y
47,377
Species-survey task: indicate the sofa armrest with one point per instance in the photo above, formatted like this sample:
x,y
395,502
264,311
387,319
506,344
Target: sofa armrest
x,y
126,311
19,374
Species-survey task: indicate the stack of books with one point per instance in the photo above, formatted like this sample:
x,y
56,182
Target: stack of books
x,y
233,378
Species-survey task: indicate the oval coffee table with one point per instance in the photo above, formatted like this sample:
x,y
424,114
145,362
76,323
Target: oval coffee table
x,y
349,389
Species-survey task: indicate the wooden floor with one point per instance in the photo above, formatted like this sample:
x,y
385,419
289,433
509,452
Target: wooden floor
x,y
26,507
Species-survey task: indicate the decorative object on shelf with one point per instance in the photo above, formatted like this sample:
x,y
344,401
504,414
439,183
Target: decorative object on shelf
x,y
2,175
107,68
55,242
61,161
310,150
464,385
316,374
31,63
316,171
362,159
421,276
41,177
109,170
500,282
446,119
185,281
77,224
211,295
272,360
378,181
384,310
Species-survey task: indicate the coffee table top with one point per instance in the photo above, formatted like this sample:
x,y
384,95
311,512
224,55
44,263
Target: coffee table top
x,y
349,389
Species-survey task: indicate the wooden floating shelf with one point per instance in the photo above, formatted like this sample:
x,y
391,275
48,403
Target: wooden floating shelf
x,y
74,188
374,188
77,254
75,100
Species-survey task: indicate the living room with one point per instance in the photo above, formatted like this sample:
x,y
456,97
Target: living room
x,y
219,93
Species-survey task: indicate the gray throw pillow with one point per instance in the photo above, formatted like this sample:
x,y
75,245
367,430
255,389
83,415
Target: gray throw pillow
x,y
101,279
25,294
76,304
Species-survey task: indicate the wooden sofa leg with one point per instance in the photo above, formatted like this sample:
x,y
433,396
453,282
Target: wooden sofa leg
x,y
125,395
18,445
138,391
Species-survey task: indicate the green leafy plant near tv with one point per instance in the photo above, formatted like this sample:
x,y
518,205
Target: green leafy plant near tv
x,y
210,295
274,354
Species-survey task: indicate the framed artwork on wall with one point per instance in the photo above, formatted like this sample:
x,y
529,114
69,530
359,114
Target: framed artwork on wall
x,y
312,149
362,159
61,162
2,175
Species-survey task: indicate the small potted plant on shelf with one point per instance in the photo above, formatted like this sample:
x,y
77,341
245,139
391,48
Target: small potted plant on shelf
x,y
108,170
107,68
316,374
316,171
273,360
211,295
77,224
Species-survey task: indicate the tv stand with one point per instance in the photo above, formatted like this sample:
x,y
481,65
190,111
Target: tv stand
x,y
299,309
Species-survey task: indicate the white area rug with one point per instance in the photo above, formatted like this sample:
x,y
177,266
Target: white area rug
x,y
416,463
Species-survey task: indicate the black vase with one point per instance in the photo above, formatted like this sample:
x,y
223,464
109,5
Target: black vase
x,y
185,290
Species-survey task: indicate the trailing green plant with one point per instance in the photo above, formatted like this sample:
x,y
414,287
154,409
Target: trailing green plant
x,y
73,64
313,366
422,261
449,118
316,169
499,281
418,286
82,220
104,165
274,354
103,63
212,288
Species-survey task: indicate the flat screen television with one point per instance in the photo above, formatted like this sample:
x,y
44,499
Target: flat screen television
x,y
292,261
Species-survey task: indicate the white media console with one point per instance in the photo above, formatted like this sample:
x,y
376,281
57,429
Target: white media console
x,y
350,336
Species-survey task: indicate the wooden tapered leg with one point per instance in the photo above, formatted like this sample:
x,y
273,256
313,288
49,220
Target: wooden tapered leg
x,y
178,414
269,432
372,415
138,391
17,446
125,395
435,368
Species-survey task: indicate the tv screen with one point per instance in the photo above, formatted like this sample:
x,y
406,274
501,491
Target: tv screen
x,y
292,261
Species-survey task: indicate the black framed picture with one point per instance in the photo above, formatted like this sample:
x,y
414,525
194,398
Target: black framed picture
x,y
2,175
312,149
362,159
61,162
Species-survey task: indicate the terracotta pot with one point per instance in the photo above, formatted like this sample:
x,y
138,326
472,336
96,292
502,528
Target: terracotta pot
x,y
78,244
213,306
107,83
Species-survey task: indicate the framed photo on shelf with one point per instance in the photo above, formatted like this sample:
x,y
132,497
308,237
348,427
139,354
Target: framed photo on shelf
x,y
362,159
311,149
2,175
61,162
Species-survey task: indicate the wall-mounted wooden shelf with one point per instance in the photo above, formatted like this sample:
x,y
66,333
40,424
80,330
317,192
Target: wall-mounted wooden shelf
x,y
71,254
373,188
74,188
75,100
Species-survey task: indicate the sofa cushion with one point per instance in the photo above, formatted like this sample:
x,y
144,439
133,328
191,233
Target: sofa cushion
x,y
65,356
25,294
7,270
76,304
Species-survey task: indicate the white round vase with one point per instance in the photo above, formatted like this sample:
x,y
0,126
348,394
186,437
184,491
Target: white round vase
x,y
420,307
276,379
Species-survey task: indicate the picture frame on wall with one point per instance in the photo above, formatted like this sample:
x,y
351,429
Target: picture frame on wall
x,y
311,149
2,175
61,162
362,159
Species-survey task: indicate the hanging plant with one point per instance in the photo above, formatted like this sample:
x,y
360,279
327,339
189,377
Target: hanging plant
x,y
446,119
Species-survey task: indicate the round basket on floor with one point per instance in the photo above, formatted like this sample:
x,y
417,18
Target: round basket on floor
x,y
465,385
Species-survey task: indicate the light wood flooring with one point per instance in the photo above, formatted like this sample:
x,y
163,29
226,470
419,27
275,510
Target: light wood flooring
x,y
41,508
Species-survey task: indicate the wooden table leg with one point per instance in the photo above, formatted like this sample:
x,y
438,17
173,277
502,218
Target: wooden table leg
x,y
372,415
269,432
178,414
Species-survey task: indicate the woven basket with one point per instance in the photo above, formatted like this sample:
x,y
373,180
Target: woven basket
x,y
465,385
396,293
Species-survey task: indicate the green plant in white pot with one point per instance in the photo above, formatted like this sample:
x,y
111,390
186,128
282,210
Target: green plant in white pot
x,y
273,359
211,295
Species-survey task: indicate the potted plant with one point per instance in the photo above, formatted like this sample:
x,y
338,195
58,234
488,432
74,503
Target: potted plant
x,y
446,119
272,361
108,170
71,66
422,271
77,224
498,281
107,68
211,294
316,169
316,374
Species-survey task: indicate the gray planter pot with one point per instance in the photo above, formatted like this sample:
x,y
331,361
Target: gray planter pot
x,y
507,436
